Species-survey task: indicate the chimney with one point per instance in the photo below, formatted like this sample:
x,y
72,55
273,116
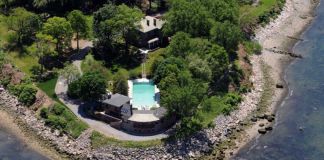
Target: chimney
x,y
154,22
148,22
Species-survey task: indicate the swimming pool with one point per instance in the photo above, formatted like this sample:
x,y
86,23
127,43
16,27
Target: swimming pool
x,y
143,95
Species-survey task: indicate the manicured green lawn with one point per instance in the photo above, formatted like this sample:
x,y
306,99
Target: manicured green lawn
x,y
49,88
99,140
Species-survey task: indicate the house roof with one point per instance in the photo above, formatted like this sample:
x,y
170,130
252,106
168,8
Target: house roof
x,y
117,100
147,24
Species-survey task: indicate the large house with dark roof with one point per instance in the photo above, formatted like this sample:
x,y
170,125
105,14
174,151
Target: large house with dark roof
x,y
150,32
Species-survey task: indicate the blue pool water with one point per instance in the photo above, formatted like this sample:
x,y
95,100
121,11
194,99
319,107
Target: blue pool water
x,y
143,94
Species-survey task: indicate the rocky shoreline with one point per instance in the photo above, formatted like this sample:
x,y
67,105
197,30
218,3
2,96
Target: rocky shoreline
x,y
200,144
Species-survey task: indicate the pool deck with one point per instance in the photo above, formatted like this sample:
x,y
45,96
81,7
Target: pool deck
x,y
143,118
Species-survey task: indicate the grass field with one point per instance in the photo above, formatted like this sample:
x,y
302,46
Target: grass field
x,y
49,88
250,14
99,140
20,60
89,64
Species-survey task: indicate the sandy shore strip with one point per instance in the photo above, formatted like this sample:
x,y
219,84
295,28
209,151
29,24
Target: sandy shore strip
x,y
8,122
280,34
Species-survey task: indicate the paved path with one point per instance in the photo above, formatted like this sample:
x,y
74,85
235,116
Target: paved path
x,y
104,128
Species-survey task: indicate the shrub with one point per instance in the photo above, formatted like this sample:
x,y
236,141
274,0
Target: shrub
x,y
252,47
231,100
58,109
56,121
61,118
44,113
5,81
133,74
27,95
74,89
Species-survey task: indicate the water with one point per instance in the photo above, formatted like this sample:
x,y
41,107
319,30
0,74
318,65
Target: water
x,y
304,107
11,148
143,94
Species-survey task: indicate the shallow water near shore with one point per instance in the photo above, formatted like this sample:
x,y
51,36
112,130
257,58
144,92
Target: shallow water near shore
x,y
12,148
299,128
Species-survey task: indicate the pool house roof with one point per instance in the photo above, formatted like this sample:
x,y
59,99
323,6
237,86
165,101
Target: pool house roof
x,y
117,100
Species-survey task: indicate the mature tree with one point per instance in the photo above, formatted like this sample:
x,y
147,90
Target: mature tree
x,y
25,24
123,22
180,44
79,25
227,35
70,73
184,100
89,87
167,66
218,61
5,5
42,47
60,29
120,84
187,16
221,10
199,67
108,11
101,28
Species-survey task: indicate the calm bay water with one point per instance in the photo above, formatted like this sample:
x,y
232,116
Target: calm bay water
x,y
303,108
11,148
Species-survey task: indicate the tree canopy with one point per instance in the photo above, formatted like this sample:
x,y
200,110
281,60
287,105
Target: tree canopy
x,y
24,23
60,29
89,87
79,24
114,23
187,16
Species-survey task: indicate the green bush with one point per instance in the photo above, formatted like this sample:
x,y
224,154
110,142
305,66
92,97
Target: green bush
x,y
58,109
74,89
231,100
61,118
5,81
252,47
133,74
27,95
44,113
56,121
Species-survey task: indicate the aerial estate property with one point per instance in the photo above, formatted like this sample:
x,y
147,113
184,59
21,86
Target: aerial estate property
x,y
139,74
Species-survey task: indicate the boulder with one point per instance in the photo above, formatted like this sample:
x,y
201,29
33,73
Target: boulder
x,y
261,125
269,128
279,85
253,119
270,118
262,131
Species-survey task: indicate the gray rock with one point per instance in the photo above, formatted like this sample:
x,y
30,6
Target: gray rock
x,y
262,131
269,128
279,85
